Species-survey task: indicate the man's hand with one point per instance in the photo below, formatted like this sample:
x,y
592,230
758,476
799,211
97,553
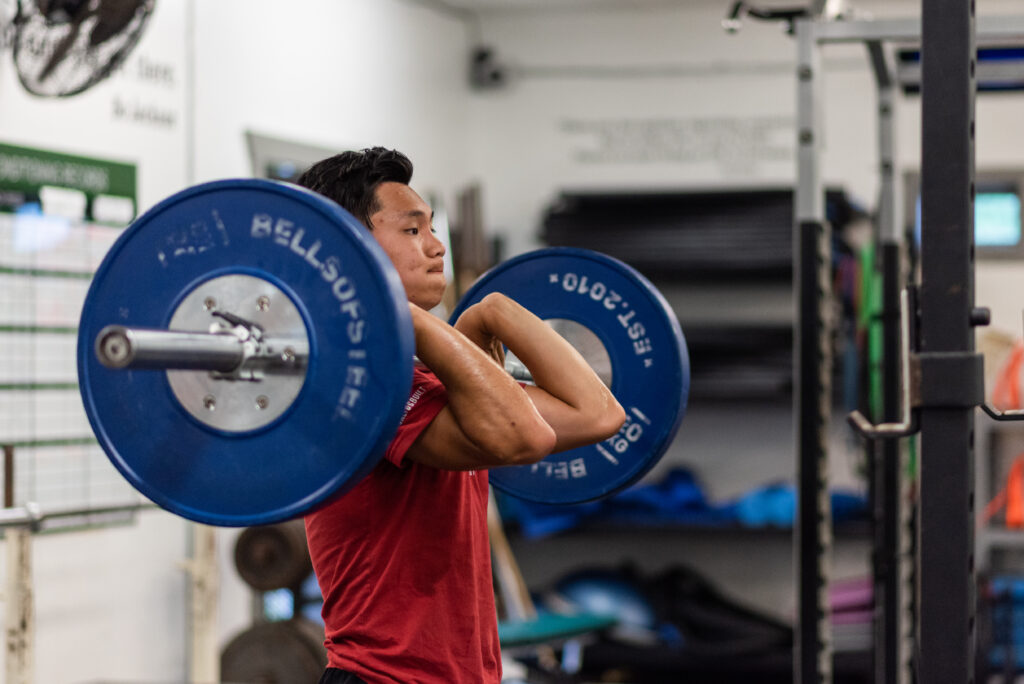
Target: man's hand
x,y
473,324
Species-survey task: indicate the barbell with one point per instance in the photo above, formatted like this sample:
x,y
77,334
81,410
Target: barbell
x,y
245,355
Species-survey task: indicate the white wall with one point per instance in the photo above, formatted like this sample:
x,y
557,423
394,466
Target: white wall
x,y
334,74
111,603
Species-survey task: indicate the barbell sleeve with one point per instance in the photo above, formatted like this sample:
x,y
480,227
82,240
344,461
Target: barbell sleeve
x,y
518,370
121,347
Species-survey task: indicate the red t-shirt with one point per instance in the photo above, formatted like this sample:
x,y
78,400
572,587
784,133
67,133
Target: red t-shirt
x,y
404,566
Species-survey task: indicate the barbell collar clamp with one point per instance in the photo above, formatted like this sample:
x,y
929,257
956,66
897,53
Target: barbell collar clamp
x,y
124,348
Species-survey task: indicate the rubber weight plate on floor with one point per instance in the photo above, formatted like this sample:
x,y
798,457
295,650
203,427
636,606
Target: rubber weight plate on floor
x,y
269,557
359,369
285,652
640,340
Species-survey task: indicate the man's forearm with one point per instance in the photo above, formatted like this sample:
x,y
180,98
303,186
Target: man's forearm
x,y
489,405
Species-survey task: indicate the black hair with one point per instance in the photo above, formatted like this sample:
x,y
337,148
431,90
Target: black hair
x,y
351,178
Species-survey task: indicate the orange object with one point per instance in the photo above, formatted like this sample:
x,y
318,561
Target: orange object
x,y
1011,496
1015,495
1006,391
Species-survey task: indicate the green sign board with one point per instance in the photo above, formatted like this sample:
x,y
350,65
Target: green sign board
x,y
25,171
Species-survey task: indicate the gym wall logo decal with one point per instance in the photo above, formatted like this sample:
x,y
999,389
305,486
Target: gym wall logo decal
x,y
64,47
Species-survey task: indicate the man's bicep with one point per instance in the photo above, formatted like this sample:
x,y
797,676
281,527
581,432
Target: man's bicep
x,y
444,445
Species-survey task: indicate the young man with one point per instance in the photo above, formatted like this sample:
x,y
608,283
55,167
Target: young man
x,y
403,559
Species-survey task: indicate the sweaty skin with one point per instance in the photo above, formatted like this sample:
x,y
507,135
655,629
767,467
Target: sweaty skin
x,y
490,420
569,395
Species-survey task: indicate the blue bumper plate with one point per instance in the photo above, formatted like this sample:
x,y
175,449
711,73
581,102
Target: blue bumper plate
x,y
650,367
360,352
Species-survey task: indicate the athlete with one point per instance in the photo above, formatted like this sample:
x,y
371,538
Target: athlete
x,y
403,559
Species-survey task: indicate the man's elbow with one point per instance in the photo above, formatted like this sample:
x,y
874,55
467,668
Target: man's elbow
x,y
611,421
533,445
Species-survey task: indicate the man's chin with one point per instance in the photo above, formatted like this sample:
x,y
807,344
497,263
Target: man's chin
x,y
428,303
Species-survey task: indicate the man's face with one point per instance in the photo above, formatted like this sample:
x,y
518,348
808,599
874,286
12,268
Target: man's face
x,y
402,226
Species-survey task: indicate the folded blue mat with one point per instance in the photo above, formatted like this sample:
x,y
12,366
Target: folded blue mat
x,y
677,499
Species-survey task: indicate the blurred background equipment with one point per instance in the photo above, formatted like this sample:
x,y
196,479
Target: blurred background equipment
x,y
272,557
284,652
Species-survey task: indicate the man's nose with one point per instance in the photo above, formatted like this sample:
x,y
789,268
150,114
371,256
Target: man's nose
x,y
435,247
